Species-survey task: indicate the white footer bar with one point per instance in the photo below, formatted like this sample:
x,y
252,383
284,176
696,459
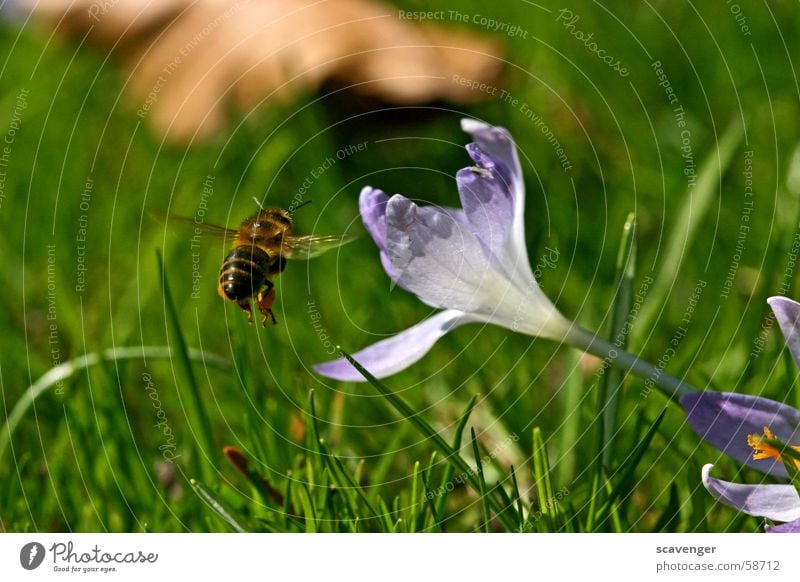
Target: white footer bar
x,y
371,557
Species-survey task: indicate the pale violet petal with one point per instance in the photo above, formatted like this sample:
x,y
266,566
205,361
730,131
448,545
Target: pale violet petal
x,y
791,527
777,502
787,312
372,206
490,214
497,153
487,200
398,352
497,143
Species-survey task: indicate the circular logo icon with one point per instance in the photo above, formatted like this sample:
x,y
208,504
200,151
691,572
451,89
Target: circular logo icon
x,y
31,555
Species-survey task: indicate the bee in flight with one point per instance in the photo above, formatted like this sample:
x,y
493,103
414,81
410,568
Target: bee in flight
x,y
259,251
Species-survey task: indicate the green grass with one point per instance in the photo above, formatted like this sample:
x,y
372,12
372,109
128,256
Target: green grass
x,y
88,453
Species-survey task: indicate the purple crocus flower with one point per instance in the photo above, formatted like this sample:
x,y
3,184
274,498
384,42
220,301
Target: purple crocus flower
x,y
726,419
732,422
472,262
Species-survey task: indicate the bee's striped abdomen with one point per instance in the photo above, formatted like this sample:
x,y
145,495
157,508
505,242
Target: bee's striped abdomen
x,y
243,272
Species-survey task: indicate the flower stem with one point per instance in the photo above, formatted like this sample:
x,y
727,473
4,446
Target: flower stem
x,y
583,339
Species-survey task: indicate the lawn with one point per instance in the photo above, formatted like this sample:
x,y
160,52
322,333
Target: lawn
x,y
687,118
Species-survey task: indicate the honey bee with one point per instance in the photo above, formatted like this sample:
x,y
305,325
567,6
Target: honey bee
x,y
259,251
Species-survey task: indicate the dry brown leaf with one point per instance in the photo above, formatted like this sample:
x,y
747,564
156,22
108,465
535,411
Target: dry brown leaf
x,y
190,58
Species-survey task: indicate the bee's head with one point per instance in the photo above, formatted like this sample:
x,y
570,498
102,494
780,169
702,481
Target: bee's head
x,y
270,218
282,216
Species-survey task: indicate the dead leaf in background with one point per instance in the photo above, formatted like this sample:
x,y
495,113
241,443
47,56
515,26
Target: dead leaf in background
x,y
189,59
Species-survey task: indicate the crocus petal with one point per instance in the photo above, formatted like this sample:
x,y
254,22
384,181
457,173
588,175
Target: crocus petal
x,y
787,312
497,143
778,502
724,419
398,352
488,204
495,152
490,214
372,206
791,527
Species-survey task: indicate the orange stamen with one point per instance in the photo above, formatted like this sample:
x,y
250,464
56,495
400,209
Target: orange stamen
x,y
763,450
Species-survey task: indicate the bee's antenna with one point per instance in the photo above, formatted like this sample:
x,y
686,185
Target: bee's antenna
x,y
293,210
258,203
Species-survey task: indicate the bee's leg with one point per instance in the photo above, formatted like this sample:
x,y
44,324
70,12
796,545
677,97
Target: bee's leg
x,y
265,299
244,304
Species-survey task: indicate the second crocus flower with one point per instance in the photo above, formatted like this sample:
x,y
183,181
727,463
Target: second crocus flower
x,y
747,428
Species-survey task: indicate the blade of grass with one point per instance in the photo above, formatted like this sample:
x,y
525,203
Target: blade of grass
x,y
501,493
387,514
314,427
427,477
307,503
571,430
517,499
612,381
198,408
358,476
414,504
216,505
487,515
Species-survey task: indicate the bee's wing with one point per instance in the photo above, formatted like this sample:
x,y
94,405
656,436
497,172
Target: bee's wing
x,y
310,246
191,226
